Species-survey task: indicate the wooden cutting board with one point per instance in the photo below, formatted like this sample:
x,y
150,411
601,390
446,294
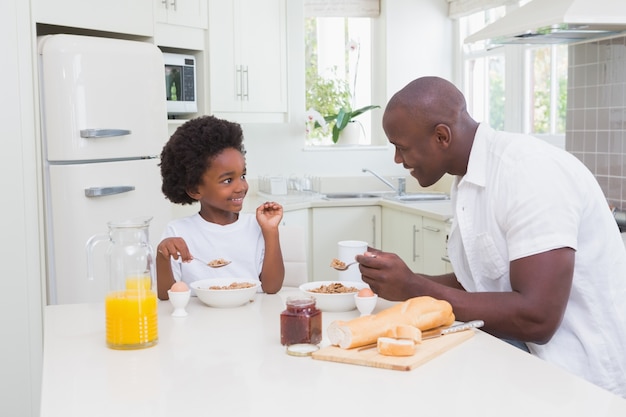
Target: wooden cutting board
x,y
426,351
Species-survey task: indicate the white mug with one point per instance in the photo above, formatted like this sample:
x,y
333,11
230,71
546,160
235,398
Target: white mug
x,y
347,250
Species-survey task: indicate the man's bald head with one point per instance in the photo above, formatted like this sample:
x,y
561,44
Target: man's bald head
x,y
430,100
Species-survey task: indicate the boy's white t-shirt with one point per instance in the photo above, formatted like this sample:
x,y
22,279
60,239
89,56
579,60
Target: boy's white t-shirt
x,y
240,242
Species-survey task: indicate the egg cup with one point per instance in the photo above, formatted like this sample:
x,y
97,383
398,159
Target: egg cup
x,y
179,300
365,305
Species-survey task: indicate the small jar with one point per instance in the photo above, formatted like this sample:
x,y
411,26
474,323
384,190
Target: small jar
x,y
301,322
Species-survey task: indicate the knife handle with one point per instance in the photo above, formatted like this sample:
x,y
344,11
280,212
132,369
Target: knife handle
x,y
474,324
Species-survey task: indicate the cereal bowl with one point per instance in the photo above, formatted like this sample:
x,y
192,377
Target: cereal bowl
x,y
226,292
329,299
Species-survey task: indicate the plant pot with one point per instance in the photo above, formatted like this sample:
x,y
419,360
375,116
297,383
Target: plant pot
x,y
351,134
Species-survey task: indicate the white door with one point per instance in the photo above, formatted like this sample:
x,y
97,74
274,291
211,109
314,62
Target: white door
x,y
73,218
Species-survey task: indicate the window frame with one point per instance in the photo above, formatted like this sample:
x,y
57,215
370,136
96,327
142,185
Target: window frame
x,y
518,73
376,136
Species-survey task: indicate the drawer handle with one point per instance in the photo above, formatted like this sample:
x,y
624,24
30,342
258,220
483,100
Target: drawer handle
x,y
105,191
432,229
103,133
445,259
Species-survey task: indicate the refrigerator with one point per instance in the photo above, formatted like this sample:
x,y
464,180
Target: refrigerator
x,y
104,123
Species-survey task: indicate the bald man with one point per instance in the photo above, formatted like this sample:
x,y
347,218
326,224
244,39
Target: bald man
x,y
535,249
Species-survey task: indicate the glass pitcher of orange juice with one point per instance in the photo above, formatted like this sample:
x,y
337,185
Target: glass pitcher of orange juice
x,y
131,301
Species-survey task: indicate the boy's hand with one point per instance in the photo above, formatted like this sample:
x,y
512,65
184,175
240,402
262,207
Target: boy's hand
x,y
174,247
269,214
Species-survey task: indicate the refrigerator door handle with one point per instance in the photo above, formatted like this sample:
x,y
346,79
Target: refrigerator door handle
x,y
105,191
103,133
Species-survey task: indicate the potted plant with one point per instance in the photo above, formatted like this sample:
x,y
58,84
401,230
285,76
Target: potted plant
x,y
345,116
329,107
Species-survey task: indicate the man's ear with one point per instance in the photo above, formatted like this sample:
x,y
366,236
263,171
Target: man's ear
x,y
443,134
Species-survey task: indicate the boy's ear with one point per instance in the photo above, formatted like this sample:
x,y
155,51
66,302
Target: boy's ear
x,y
193,193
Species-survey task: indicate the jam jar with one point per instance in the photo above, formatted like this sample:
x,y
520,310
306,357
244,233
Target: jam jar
x,y
301,322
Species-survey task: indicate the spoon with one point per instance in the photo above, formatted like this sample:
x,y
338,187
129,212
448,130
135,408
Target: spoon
x,y
216,263
341,266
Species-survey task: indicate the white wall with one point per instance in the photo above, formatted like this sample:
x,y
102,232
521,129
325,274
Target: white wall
x,y
20,248
418,43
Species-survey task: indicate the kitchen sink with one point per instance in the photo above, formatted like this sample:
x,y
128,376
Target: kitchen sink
x,y
412,197
341,196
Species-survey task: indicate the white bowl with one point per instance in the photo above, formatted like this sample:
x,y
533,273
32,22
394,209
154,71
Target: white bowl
x,y
333,302
225,298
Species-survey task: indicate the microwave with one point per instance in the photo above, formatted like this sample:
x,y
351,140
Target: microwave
x,y
180,83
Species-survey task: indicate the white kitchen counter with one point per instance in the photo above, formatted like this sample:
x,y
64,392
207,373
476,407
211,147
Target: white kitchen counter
x,y
229,362
437,209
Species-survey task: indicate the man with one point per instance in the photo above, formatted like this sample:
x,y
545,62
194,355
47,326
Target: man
x,y
535,249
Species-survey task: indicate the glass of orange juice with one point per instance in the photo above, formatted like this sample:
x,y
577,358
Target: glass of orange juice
x,y
131,315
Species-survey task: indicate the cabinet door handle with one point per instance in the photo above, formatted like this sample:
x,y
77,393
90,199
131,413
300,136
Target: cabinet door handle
x,y
432,229
103,133
244,83
374,231
165,3
238,82
105,191
415,232
173,4
445,259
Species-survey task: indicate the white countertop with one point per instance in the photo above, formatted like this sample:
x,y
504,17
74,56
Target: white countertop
x,y
229,362
436,209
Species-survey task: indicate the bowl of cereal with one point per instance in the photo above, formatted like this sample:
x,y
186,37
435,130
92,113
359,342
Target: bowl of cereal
x,y
333,295
226,292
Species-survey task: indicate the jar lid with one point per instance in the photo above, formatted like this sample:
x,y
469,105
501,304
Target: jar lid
x,y
301,349
300,301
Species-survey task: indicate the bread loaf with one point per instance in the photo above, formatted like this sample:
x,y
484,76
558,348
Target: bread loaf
x,y
421,312
390,346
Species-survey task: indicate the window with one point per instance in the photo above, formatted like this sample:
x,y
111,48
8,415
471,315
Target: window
x,y
338,56
547,89
521,88
484,73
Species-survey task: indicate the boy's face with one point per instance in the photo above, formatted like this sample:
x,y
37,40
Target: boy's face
x,y
224,184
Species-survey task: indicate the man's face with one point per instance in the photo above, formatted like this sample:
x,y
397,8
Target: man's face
x,y
418,148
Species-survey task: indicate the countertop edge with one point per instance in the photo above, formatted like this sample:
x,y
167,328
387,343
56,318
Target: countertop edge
x,y
437,210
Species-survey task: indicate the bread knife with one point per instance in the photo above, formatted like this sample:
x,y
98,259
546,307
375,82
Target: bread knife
x,y
431,334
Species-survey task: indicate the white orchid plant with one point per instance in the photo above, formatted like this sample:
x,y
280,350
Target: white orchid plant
x,y
332,101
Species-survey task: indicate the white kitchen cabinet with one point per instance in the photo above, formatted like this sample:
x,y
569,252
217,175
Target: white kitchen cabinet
x,y
435,235
118,16
181,24
402,235
330,225
192,13
300,218
248,60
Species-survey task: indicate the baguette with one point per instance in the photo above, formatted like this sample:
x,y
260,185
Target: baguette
x,y
422,312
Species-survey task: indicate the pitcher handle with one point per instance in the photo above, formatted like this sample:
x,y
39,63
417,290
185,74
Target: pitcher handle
x,y
91,243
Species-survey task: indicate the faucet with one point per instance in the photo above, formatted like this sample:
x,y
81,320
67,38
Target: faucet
x,y
400,190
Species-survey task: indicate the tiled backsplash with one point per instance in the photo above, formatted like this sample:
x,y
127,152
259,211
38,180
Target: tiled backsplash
x,y
596,113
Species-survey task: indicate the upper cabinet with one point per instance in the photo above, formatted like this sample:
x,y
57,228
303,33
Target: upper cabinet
x,y
191,13
118,16
181,24
248,60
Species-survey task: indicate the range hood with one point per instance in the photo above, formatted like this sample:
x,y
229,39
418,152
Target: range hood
x,y
556,21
